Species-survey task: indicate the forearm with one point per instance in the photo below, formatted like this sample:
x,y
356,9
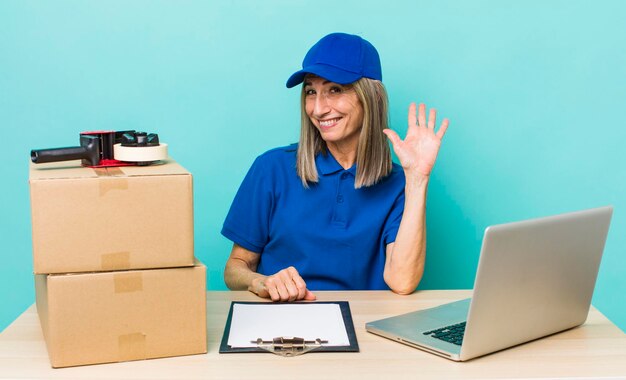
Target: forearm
x,y
405,260
239,276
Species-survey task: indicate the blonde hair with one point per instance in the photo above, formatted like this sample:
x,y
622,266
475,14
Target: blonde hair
x,y
373,156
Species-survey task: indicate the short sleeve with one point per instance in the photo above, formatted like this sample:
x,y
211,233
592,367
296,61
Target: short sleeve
x,y
248,220
392,224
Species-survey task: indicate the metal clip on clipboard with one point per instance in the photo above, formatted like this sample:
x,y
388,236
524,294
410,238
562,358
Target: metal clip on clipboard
x,y
289,346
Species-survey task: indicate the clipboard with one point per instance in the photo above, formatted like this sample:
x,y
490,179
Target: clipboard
x,y
346,316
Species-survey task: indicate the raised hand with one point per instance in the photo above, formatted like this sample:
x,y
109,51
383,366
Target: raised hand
x,y
418,151
285,285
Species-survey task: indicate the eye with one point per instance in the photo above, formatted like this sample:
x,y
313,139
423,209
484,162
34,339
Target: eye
x,y
309,92
336,90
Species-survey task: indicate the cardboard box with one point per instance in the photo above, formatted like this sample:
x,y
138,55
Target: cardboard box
x,y
106,219
103,317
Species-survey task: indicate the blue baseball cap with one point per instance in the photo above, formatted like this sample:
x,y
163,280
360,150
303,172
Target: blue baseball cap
x,y
341,58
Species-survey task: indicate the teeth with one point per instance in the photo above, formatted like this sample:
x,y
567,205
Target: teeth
x,y
328,123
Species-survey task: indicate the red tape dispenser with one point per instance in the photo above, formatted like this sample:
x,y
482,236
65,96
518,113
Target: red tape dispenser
x,y
101,149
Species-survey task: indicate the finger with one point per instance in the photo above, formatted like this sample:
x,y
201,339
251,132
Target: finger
x,y
276,287
300,285
412,115
273,292
421,115
443,128
290,286
309,296
392,136
283,293
432,116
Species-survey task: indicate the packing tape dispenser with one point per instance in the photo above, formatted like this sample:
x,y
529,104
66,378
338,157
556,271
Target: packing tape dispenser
x,y
100,149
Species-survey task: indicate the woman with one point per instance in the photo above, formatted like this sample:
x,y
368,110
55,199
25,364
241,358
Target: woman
x,y
334,212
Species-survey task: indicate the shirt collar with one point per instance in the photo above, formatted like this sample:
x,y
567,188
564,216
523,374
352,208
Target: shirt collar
x,y
326,164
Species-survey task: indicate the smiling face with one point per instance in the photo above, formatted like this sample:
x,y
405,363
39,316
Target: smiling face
x,y
335,111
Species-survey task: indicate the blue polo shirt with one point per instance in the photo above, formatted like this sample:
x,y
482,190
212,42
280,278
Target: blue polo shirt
x,y
333,234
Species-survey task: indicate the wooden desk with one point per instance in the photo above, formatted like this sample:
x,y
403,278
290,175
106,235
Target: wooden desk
x,y
597,349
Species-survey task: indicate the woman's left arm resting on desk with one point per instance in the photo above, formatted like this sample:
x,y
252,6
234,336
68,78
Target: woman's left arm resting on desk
x,y
404,264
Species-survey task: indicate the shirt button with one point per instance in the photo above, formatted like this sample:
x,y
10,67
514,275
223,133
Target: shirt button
x,y
339,198
344,176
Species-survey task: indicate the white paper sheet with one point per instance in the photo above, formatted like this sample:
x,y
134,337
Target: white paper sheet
x,y
268,321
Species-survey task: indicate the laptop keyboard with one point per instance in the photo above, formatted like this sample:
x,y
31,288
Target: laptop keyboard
x,y
451,334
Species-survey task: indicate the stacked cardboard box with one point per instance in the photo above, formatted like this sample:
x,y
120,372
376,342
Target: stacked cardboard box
x,y
115,273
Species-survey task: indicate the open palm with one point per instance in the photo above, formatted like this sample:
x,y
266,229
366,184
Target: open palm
x,y
418,151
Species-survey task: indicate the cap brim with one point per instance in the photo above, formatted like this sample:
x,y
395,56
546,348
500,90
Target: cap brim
x,y
330,73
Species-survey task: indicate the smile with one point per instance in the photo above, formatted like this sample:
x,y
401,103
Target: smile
x,y
329,123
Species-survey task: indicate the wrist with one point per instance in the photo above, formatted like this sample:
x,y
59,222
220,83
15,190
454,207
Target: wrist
x,y
414,178
257,284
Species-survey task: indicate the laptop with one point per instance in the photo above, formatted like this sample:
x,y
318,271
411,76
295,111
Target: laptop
x,y
534,278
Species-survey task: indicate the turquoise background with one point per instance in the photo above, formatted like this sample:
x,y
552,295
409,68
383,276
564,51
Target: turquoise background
x,y
535,91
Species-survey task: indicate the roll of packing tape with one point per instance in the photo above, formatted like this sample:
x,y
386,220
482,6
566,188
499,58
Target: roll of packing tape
x,y
140,153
